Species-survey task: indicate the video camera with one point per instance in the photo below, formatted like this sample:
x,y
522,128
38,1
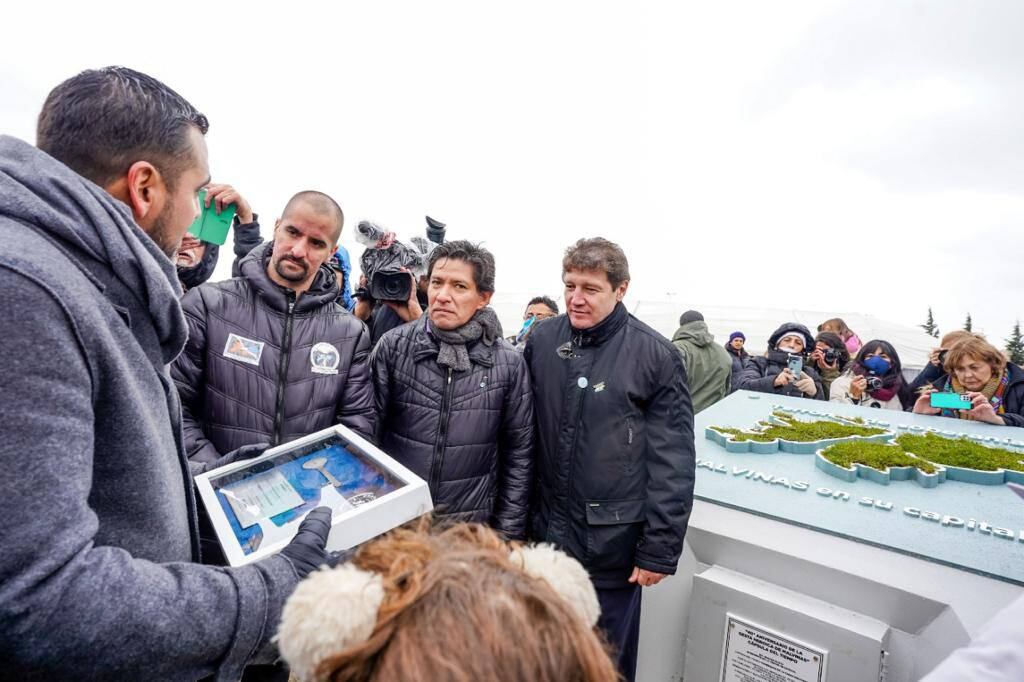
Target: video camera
x,y
388,262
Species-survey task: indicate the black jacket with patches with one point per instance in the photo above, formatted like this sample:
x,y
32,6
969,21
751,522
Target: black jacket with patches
x,y
261,384
615,449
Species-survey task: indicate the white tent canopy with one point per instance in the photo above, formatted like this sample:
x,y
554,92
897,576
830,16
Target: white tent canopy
x,y
756,323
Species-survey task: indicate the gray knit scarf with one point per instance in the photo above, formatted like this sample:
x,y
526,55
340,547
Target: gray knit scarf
x,y
483,326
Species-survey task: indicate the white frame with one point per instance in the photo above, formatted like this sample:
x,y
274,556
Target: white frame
x,y
375,517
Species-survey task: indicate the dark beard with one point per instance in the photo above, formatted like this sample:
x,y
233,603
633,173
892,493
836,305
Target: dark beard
x,y
291,278
160,234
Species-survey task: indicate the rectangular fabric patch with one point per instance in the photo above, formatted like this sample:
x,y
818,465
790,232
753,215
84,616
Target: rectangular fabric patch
x,y
243,350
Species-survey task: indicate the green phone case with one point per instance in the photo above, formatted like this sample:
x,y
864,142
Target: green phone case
x,y
211,226
950,401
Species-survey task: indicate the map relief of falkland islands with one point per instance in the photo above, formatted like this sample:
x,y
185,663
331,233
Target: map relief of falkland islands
x,y
852,447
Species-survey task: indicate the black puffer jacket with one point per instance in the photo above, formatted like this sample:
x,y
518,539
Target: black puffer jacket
x,y
469,434
261,366
759,373
615,450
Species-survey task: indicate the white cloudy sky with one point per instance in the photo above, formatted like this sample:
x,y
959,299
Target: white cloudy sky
x,y
856,156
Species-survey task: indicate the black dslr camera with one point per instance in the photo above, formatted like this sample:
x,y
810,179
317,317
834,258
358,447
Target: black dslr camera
x,y
830,356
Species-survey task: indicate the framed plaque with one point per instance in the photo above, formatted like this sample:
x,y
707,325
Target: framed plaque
x,y
753,653
256,505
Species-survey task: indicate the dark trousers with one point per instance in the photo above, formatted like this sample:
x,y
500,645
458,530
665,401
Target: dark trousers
x,y
620,622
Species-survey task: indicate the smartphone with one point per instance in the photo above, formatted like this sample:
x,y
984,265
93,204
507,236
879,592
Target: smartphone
x,y
211,226
796,365
950,401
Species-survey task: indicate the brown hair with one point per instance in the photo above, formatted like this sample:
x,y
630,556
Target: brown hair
x,y
844,332
955,336
457,609
598,254
974,346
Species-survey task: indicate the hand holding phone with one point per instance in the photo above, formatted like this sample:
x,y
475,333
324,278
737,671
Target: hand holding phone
x,y
950,401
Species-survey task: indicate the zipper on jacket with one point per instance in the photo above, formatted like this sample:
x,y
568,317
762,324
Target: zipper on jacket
x,y
442,437
282,374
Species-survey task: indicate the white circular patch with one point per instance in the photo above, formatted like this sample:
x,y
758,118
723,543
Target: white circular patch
x,y
582,382
324,358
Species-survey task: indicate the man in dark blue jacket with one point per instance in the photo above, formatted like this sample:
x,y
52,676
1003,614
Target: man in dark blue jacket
x,y
98,578
615,451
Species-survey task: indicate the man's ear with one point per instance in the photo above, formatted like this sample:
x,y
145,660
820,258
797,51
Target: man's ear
x,y
620,292
485,299
145,192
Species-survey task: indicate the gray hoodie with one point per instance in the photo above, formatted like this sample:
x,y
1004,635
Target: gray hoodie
x,y
97,515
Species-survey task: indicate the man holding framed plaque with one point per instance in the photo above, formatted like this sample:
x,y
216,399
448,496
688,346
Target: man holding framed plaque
x,y
98,575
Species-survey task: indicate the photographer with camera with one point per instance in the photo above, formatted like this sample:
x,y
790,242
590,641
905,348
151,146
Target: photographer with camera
x,y
393,288
830,358
838,327
980,372
934,370
875,379
782,370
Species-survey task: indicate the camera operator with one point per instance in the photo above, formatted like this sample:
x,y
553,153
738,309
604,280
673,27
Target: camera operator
x,y
830,358
875,379
383,302
840,329
978,369
934,370
772,374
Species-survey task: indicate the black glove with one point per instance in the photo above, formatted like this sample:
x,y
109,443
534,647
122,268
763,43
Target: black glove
x,y
237,455
307,550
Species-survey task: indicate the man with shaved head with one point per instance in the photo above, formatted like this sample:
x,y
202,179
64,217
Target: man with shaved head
x,y
271,356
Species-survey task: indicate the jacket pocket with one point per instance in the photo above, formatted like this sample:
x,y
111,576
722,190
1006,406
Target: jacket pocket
x,y
613,529
627,449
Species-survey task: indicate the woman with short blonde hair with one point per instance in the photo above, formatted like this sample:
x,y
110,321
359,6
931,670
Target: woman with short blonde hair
x,y
979,370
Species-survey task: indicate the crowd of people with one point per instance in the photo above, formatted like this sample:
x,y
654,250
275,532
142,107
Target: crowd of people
x,y
837,366
560,460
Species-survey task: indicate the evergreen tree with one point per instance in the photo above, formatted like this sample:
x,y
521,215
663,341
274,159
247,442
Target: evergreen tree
x,y
1015,345
967,324
929,325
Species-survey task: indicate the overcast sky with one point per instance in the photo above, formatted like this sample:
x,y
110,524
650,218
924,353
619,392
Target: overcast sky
x,y
852,156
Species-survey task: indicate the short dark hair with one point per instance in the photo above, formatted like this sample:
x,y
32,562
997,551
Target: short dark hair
x,y
101,121
598,253
320,203
480,258
545,301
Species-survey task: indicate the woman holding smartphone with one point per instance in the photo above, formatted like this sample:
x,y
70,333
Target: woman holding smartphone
x,y
978,370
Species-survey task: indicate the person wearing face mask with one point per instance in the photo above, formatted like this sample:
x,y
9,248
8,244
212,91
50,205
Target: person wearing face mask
x,y
875,379
771,373
196,259
978,369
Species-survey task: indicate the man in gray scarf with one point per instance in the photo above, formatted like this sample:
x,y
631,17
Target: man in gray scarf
x,y
99,573
453,398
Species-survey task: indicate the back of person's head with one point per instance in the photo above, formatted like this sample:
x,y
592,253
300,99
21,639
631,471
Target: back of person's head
x,y
837,326
597,253
101,121
951,338
454,604
475,255
690,316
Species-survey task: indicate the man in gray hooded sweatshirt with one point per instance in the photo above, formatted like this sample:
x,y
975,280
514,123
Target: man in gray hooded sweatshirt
x,y
98,573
